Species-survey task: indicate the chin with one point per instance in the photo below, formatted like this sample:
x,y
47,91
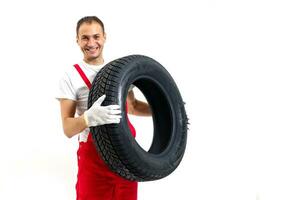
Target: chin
x,y
92,57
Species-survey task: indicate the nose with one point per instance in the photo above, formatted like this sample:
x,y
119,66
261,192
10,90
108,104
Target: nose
x,y
91,42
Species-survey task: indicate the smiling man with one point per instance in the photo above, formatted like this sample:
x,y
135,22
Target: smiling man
x,y
95,181
91,38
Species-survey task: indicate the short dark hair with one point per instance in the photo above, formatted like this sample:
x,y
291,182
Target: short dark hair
x,y
89,20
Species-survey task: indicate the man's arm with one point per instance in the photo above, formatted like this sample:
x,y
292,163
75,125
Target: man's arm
x,y
136,107
71,125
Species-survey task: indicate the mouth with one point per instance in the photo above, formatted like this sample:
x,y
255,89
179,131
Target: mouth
x,y
91,50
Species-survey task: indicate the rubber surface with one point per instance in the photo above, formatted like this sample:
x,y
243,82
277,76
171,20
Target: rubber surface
x,y
114,142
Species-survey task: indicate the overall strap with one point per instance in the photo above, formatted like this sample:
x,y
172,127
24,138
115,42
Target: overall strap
x,y
83,76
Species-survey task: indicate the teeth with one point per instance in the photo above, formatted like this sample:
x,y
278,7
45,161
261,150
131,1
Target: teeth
x,y
92,49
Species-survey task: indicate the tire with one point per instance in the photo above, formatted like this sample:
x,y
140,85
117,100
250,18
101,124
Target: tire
x,y
114,142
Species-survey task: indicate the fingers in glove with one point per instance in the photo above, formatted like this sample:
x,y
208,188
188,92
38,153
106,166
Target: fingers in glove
x,y
113,121
113,107
114,112
110,117
100,99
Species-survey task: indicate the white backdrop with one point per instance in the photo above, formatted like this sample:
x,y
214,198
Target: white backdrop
x,y
236,64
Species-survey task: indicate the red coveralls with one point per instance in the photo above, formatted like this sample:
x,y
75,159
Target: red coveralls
x,y
95,181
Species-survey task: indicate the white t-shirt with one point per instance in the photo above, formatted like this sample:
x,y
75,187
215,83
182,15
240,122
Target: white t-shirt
x,y
72,86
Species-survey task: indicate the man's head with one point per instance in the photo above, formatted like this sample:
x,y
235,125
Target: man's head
x,y
91,38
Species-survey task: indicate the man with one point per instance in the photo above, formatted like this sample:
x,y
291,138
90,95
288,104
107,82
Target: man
x,y
95,181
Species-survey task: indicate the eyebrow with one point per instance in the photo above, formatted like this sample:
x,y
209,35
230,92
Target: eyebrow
x,y
98,34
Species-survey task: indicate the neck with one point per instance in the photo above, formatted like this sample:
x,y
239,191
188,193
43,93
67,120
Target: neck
x,y
95,61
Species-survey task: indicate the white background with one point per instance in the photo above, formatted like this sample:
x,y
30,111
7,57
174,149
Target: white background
x,y
236,64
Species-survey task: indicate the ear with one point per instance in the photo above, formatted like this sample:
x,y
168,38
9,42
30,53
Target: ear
x,y
104,36
77,39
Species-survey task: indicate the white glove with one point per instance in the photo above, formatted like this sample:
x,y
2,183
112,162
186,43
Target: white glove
x,y
100,115
131,87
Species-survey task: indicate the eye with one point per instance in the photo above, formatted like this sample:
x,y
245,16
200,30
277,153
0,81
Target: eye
x,y
96,37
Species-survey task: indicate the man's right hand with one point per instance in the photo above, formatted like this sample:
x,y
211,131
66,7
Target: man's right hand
x,y
99,115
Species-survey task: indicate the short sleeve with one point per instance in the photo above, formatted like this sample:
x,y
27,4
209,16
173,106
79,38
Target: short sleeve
x,y
66,89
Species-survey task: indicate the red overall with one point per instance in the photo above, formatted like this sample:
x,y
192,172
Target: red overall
x,y
95,181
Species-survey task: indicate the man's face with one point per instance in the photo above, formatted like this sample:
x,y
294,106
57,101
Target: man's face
x,y
91,40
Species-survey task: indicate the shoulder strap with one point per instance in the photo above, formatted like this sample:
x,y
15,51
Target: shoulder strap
x,y
83,76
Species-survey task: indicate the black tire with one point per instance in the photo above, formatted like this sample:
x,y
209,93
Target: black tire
x,y
115,143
